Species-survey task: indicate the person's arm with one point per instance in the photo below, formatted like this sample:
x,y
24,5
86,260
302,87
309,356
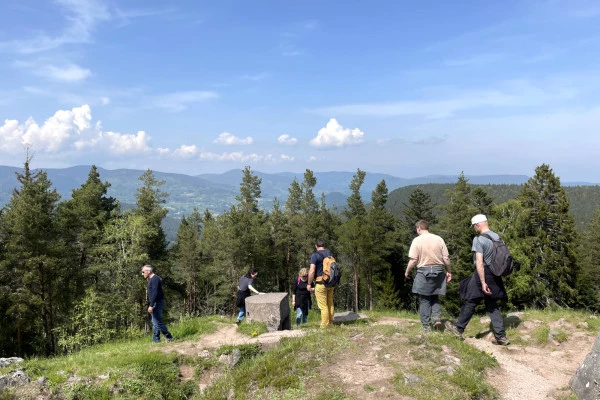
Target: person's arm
x,y
448,269
481,273
252,289
294,289
152,293
411,263
311,276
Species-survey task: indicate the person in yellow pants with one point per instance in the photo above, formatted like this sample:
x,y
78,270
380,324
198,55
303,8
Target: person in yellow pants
x,y
323,294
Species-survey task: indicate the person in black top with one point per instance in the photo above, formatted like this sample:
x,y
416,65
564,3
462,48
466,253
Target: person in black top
x,y
301,297
244,288
156,304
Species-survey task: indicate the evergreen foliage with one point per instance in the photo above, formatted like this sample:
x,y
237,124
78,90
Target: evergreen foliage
x,y
69,271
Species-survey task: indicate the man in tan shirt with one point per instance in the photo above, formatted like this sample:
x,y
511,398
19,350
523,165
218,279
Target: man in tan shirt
x,y
429,253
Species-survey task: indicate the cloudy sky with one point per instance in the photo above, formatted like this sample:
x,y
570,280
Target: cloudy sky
x,y
385,86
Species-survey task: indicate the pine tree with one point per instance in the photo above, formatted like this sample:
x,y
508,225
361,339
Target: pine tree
x,y
588,284
419,207
380,224
187,266
33,251
455,228
352,235
549,235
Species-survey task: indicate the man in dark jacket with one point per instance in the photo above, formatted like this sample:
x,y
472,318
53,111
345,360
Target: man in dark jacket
x,y
482,285
156,304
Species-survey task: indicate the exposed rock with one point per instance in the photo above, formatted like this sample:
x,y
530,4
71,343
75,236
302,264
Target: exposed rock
x,y
5,362
411,378
451,359
485,320
230,360
204,354
346,316
516,314
446,369
18,378
585,381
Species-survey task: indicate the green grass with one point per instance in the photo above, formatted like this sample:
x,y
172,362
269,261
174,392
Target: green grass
x,y
297,368
134,367
252,329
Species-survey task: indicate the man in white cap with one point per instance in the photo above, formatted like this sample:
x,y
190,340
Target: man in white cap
x,y
482,284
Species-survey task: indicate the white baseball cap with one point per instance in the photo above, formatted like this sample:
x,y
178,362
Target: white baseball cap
x,y
478,218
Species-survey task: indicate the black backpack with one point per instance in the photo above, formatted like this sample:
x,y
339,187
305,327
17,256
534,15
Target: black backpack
x,y
502,262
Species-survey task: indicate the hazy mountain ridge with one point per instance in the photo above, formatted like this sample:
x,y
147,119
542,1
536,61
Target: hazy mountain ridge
x,y
217,192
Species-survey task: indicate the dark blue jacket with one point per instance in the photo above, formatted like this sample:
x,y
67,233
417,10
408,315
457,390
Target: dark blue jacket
x,y
155,291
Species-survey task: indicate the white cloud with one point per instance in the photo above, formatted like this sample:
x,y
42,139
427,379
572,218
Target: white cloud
x,y
238,156
312,158
287,140
66,73
517,94
228,139
255,78
186,151
179,101
285,157
82,15
126,143
335,135
69,131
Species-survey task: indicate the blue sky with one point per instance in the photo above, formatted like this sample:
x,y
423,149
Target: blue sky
x,y
385,86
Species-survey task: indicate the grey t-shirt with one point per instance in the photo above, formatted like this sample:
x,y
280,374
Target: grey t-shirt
x,y
483,245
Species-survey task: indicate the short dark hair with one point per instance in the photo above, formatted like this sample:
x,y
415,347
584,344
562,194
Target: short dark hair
x,y
320,243
422,224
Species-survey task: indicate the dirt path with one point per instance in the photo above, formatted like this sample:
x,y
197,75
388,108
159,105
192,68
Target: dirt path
x,y
227,334
531,372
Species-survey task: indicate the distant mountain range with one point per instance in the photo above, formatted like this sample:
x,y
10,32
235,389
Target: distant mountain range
x,y
217,192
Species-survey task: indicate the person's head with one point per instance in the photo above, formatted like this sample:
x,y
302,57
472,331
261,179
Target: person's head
x,y
320,243
479,223
252,273
422,225
303,273
146,270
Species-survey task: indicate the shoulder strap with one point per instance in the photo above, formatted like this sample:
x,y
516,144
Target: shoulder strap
x,y
487,236
322,254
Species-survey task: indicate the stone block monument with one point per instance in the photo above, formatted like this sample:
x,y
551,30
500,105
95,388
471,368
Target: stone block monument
x,y
270,308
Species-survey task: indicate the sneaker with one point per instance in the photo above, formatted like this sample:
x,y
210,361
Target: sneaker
x,y
425,328
437,325
169,339
238,322
503,341
450,327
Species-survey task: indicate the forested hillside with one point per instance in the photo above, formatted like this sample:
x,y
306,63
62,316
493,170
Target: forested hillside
x,y
70,269
583,199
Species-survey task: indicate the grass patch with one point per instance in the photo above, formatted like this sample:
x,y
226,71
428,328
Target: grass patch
x,y
135,368
540,333
252,329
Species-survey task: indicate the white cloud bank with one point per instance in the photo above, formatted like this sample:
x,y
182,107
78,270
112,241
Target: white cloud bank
x,y
335,135
68,130
228,139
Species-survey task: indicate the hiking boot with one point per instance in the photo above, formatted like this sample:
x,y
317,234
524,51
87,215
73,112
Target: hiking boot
x,y
450,327
238,322
169,339
503,341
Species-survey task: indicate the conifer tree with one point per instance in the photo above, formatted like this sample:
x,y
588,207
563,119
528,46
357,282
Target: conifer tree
x,y
352,235
548,233
33,257
188,256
